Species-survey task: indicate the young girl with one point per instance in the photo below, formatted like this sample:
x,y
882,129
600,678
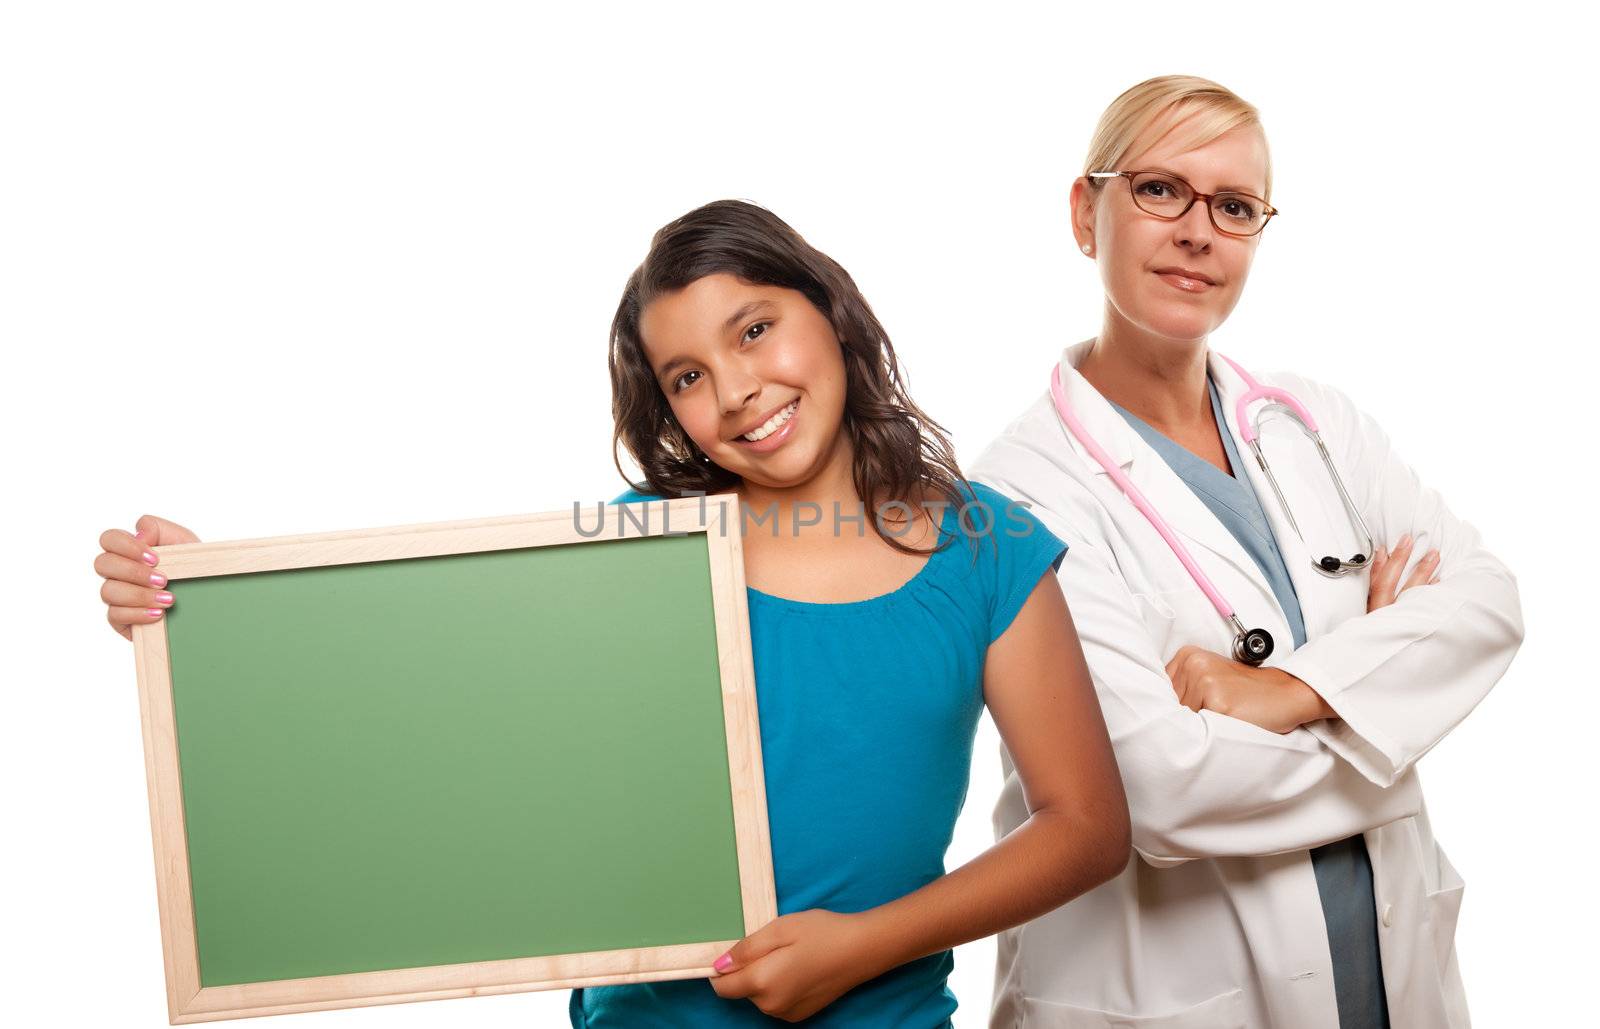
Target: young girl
x,y
889,600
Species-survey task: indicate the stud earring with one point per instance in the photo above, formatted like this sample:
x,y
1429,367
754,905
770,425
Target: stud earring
x,y
1086,248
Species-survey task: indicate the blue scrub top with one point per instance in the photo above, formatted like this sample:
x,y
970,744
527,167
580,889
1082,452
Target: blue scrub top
x,y
1343,868
868,712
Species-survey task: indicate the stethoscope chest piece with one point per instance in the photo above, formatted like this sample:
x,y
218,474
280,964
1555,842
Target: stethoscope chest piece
x,y
1252,646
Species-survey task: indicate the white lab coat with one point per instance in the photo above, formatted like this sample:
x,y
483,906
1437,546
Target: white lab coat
x,y
1216,921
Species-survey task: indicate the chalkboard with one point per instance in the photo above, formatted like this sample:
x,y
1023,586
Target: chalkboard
x,y
454,759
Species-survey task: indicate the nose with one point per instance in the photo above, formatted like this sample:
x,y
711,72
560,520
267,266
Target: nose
x,y
736,388
1194,230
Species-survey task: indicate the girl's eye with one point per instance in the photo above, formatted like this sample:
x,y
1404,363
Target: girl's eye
x,y
754,332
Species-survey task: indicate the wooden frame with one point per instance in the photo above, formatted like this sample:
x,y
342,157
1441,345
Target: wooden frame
x,y
188,1002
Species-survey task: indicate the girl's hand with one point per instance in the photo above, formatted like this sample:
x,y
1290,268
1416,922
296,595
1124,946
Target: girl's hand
x,y
134,591
798,964
1386,569
1268,697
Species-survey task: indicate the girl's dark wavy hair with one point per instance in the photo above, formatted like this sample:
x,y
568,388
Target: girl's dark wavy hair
x,y
900,453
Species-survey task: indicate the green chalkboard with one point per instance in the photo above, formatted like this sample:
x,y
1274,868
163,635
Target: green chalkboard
x,y
461,758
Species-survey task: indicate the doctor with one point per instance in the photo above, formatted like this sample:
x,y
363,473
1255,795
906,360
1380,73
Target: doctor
x,y
1269,704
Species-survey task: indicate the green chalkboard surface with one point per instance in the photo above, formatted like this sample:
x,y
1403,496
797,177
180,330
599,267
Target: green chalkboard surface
x,y
467,757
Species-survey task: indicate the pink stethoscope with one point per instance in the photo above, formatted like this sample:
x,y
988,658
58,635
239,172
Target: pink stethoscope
x,y
1250,646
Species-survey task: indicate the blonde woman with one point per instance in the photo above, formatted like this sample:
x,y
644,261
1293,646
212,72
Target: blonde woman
x,y
1277,632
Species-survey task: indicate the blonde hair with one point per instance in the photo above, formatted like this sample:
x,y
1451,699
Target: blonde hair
x,y
1198,109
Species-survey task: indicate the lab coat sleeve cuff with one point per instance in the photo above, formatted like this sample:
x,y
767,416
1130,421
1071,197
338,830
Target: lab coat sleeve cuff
x,y
1352,736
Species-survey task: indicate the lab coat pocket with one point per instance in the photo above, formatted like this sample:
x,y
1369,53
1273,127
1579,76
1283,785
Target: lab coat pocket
x,y
1224,1011
1444,909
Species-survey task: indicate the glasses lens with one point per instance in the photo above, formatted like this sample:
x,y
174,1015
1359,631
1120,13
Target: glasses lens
x,y
1238,213
1161,195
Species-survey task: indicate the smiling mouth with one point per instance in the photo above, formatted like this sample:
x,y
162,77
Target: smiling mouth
x,y
771,425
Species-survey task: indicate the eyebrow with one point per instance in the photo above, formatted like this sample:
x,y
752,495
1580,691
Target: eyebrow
x,y
745,310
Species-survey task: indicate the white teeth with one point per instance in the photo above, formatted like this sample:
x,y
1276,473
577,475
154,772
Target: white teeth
x,y
772,424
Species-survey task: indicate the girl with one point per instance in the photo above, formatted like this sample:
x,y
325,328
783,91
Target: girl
x,y
889,601
1289,875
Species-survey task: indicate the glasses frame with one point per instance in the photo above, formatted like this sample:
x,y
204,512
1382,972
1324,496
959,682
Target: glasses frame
x,y
1268,210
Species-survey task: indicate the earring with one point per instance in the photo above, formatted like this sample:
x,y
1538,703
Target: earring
x,y
1086,248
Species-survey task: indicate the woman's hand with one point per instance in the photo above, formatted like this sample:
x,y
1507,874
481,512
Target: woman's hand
x,y
1386,569
1268,697
798,964
134,591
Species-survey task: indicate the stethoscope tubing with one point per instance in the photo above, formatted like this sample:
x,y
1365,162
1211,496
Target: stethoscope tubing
x,y
1252,646
1138,498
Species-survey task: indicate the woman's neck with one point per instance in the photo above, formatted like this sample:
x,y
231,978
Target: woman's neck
x,y
1163,381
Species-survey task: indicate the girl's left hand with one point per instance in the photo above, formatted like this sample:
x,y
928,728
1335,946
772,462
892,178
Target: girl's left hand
x,y
1268,697
798,964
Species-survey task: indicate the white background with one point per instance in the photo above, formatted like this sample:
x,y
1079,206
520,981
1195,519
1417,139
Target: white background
x,y
278,268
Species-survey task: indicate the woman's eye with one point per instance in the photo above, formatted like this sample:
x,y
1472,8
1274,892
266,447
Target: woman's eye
x,y
1240,210
678,385
758,329
1156,188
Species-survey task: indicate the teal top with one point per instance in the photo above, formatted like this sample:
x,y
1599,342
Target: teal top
x,y
868,711
1343,868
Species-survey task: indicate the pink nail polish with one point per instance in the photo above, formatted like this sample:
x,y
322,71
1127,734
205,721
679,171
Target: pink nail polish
x,y
153,612
723,963
139,535
164,598
149,558
157,579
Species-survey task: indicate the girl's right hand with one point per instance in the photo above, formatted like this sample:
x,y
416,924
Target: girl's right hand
x,y
134,591
1384,588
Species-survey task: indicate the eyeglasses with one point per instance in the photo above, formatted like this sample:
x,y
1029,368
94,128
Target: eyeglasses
x,y
1167,196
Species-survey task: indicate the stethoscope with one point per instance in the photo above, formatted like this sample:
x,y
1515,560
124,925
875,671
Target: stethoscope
x,y
1250,646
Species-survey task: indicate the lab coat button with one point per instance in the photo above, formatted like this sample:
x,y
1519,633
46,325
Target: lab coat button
x,y
1388,915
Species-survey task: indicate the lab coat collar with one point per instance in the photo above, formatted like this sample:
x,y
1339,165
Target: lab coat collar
x,y
1166,491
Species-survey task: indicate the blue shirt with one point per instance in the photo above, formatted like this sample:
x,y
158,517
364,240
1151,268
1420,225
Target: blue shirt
x,y
868,712
1343,868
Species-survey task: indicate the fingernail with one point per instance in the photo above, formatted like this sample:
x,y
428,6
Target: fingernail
x,y
149,558
157,579
139,535
723,963
163,598
153,612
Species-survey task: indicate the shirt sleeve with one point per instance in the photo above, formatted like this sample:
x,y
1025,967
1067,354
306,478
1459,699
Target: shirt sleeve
x,y
1024,550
